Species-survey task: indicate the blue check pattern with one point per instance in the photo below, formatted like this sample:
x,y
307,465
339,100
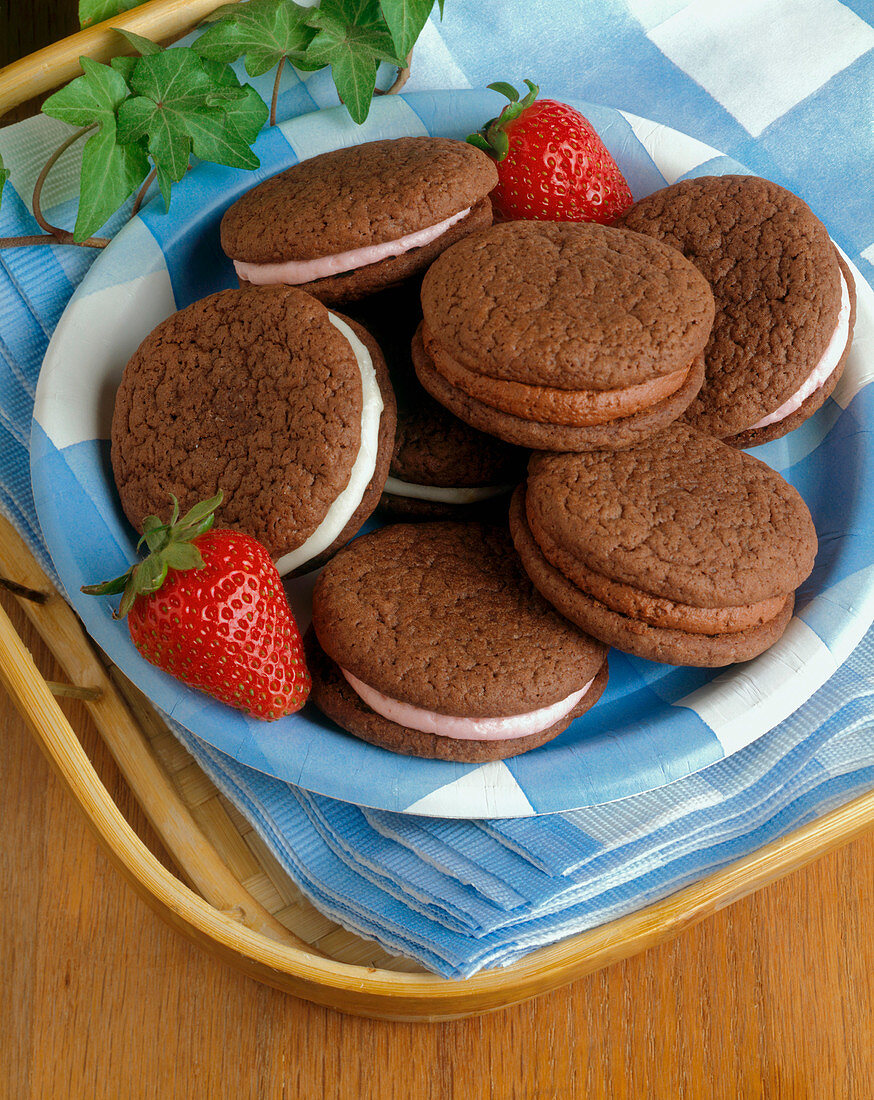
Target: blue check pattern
x,y
782,86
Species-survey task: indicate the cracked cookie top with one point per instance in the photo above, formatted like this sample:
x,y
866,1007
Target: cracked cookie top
x,y
568,305
255,392
682,516
776,281
354,197
442,616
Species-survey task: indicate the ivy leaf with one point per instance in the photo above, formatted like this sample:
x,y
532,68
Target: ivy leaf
x,y
111,172
352,38
145,47
214,137
124,65
178,109
95,11
265,31
93,97
4,176
405,20
244,107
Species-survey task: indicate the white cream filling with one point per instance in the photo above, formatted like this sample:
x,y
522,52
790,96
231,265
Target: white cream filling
x,y
345,504
823,369
443,494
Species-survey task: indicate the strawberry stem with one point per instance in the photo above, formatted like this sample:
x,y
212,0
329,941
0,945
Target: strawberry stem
x,y
492,138
170,545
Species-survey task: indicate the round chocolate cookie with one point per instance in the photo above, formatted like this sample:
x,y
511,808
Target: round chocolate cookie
x,y
429,640
785,301
562,336
442,468
352,221
266,395
682,550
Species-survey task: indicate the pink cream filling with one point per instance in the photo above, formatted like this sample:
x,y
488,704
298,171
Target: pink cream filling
x,y
296,272
465,729
823,369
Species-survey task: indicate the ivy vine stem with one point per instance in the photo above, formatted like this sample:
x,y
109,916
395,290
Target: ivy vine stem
x,y
141,194
63,236
275,97
53,233
400,80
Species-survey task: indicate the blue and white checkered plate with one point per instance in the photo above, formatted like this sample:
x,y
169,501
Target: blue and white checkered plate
x,y
654,724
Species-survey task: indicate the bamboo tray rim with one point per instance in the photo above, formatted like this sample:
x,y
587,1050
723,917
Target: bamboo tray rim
x,y
370,990
301,970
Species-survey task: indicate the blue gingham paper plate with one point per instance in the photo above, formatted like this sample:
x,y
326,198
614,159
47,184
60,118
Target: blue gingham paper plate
x,y
654,724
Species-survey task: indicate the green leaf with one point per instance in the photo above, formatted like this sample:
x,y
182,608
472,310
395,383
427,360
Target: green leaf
x,y
500,143
93,97
204,509
179,106
505,89
150,573
124,65
169,141
246,110
183,555
355,79
264,31
155,534
352,38
152,523
480,142
95,11
145,47
351,25
171,546
215,138
248,115
107,588
405,20
4,176
110,170
110,174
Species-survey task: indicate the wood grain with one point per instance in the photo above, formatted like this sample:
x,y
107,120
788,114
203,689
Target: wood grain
x,y
770,998
40,72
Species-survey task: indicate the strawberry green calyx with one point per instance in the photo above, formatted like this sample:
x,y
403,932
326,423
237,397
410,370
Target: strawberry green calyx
x,y
492,138
171,546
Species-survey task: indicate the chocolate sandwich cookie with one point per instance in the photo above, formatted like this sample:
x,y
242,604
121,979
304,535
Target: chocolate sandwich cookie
x,y
785,301
270,397
442,468
563,337
682,550
429,640
352,221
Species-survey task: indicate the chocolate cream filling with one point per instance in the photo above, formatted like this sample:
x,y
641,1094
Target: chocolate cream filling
x,y
547,404
657,611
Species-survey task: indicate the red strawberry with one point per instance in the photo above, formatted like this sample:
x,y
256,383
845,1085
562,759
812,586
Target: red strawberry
x,y
208,607
552,166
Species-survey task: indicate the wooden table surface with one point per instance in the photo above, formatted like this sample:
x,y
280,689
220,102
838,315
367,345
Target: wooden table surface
x,y
102,1001
770,998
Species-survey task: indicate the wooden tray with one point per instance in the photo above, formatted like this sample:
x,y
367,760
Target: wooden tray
x,y
241,905
237,901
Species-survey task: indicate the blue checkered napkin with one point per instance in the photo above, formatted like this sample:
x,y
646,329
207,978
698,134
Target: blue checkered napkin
x,y
462,895
767,85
